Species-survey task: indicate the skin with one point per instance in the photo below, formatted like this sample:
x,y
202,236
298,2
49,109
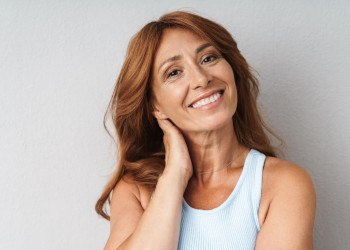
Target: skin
x,y
208,133
199,144
288,196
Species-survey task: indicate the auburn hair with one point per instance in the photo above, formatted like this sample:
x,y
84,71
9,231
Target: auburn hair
x,y
139,138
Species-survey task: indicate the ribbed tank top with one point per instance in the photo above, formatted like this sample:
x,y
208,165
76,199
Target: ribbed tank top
x,y
232,225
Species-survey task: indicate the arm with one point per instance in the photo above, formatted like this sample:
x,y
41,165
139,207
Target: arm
x,y
157,227
290,219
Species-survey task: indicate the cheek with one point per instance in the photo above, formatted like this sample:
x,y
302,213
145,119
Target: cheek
x,y
233,94
225,74
171,99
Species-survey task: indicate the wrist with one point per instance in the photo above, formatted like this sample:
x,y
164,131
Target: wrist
x,y
174,180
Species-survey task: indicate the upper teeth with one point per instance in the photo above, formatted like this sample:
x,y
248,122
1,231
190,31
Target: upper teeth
x,y
207,100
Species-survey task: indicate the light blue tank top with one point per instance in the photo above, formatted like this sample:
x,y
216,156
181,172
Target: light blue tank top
x,y
232,225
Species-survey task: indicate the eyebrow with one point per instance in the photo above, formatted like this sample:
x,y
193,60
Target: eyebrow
x,y
178,57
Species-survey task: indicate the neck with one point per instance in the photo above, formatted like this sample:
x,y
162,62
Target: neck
x,y
212,152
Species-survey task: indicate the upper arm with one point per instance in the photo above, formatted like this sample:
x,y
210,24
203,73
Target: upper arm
x,y
290,218
126,210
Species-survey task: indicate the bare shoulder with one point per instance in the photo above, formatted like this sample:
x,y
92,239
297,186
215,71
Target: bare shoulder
x,y
126,208
287,177
290,213
128,184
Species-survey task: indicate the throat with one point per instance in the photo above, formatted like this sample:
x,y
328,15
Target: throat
x,y
209,196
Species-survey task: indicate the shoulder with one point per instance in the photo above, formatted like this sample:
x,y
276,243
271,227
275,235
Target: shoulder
x,y
285,177
290,213
128,185
126,210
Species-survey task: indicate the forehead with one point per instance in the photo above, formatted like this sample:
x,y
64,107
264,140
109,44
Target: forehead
x,y
176,40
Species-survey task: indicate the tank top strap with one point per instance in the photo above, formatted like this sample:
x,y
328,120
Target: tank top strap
x,y
256,172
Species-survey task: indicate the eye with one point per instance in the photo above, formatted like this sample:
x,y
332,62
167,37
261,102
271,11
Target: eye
x,y
209,59
173,73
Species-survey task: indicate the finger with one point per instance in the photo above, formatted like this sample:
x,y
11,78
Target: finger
x,y
166,125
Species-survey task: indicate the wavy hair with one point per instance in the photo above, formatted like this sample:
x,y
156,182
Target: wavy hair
x,y
139,138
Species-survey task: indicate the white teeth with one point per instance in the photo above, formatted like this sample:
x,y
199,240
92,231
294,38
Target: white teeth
x,y
207,100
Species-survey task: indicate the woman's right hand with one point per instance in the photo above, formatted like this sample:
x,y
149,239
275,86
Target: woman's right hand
x,y
177,158
155,225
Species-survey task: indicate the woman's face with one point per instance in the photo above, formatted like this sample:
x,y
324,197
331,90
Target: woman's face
x,y
193,84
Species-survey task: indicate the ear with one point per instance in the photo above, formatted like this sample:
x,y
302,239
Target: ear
x,y
158,114
156,111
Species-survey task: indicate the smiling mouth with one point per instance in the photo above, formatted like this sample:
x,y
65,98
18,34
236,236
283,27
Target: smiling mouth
x,y
205,101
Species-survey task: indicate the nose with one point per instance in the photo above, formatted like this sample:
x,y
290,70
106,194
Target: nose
x,y
199,77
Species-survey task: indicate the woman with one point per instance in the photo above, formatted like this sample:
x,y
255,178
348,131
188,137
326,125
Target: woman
x,y
196,168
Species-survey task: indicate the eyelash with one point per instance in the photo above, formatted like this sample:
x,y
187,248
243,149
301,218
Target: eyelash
x,y
212,56
169,75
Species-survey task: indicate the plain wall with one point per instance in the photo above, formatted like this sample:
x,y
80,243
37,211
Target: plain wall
x,y
59,61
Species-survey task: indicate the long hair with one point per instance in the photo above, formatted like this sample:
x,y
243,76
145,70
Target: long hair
x,y
139,138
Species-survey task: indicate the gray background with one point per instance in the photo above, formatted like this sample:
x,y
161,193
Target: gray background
x,y
59,61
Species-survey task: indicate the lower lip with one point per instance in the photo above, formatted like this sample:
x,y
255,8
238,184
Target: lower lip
x,y
211,105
